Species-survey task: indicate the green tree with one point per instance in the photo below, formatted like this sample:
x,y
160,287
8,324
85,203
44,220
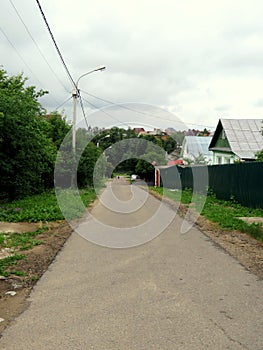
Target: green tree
x,y
57,128
27,154
259,155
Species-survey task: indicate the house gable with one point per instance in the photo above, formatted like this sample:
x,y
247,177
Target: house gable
x,y
222,141
239,137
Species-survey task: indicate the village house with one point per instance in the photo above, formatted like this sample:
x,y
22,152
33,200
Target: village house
x,y
236,140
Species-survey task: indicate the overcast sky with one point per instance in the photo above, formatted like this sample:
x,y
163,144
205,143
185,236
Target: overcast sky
x,y
197,60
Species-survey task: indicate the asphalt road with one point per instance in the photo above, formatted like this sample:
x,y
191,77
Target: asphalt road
x,y
177,291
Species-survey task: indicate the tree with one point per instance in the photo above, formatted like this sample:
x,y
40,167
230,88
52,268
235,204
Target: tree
x,y
87,167
200,159
259,155
57,128
27,154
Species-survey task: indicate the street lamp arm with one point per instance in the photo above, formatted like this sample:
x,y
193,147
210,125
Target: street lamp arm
x,y
94,70
75,95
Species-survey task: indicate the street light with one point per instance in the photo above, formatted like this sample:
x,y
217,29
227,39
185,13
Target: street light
x,y
75,95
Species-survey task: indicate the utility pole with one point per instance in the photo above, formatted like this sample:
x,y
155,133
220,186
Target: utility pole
x,y
75,96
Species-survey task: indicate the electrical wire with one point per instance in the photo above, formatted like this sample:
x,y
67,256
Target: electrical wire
x,y
56,46
38,48
83,111
141,112
62,104
19,55
108,114
25,63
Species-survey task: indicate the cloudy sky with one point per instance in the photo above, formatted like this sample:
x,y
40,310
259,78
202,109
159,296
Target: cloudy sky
x,y
193,60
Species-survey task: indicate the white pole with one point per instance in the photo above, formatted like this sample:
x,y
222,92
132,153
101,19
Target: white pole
x,y
75,95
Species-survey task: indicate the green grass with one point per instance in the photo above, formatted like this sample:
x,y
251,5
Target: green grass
x,y
225,213
23,241
41,207
10,261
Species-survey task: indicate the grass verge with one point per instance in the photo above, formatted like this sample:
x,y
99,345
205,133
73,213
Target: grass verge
x,y
224,213
41,207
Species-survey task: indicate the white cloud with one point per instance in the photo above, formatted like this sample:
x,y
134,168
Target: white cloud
x,y
195,58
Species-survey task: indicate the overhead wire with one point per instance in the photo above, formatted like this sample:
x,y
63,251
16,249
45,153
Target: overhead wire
x,y
74,84
37,46
83,111
141,112
56,46
20,56
62,104
25,63
108,114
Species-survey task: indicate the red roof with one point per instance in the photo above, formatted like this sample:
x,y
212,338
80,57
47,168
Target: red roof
x,y
175,162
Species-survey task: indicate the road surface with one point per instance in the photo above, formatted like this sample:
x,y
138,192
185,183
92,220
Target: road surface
x,y
177,291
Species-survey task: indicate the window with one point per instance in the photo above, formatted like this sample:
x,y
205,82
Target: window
x,y
223,134
219,160
227,160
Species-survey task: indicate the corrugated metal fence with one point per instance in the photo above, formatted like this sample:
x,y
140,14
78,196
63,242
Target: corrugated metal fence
x,y
243,182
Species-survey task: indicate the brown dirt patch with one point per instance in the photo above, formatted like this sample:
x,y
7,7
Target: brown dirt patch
x,y
36,263
19,227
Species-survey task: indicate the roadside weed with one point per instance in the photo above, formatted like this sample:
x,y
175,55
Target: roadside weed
x,y
41,207
23,241
225,213
5,263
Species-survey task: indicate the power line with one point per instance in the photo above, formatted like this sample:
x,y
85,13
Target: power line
x,y
39,50
108,114
25,63
62,104
83,111
19,55
144,113
56,46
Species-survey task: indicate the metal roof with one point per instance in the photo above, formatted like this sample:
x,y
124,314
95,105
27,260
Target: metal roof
x,y
244,136
198,145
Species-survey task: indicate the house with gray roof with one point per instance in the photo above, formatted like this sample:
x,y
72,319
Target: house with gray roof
x,y
236,140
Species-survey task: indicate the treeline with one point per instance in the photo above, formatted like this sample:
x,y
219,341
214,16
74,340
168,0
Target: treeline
x,y
128,153
29,141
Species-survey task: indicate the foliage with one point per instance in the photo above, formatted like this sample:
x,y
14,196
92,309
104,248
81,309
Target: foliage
x,y
178,136
132,154
88,168
23,240
41,207
27,154
5,264
57,128
169,144
259,156
199,159
225,213
111,136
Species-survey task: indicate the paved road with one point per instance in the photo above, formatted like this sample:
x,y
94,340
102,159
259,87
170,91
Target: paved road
x,y
178,291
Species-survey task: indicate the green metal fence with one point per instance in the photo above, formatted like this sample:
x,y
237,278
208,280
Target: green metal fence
x,y
243,182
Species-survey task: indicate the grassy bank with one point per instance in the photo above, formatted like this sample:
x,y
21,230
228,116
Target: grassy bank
x,y
225,213
41,207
